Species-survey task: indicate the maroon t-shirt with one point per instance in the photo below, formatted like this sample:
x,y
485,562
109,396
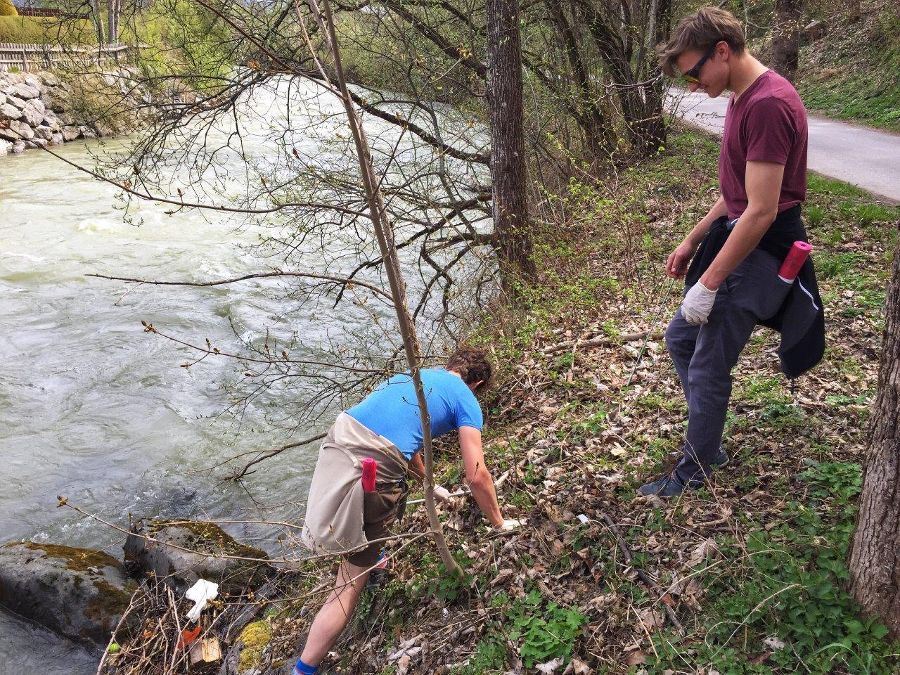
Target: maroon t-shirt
x,y
766,124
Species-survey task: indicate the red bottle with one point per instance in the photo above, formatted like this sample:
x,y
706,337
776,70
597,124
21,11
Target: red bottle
x,y
369,471
792,264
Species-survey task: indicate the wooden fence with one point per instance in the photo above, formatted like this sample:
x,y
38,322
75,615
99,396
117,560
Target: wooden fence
x,y
38,57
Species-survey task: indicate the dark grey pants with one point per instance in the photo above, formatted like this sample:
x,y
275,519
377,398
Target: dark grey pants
x,y
705,355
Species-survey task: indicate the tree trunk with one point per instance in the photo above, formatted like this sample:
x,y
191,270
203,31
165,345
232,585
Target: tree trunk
x,y
114,8
597,133
97,18
508,168
875,552
786,37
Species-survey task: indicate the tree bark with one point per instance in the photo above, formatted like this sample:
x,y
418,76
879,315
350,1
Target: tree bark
x,y
586,111
641,102
114,10
786,37
97,19
875,551
508,169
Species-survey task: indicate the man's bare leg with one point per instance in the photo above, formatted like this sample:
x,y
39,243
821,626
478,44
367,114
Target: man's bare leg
x,y
335,614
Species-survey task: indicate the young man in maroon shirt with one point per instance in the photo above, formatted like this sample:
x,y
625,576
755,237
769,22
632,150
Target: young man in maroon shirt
x,y
732,283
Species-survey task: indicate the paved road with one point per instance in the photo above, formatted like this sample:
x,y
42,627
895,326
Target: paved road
x,y
863,157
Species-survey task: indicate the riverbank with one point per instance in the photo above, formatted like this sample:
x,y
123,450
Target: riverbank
x,y
47,109
745,575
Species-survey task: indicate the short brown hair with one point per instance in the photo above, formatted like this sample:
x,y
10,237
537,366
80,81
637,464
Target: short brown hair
x,y
700,31
472,364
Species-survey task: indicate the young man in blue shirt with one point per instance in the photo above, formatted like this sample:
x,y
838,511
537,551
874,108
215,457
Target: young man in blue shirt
x,y
386,426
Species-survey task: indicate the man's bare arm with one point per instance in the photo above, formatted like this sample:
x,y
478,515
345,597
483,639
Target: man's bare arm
x,y
416,466
763,184
477,475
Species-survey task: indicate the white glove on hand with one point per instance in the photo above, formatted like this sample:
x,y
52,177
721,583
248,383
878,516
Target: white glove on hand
x,y
510,524
697,304
441,493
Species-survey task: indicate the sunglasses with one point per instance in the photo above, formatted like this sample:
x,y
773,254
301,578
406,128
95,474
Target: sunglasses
x,y
692,76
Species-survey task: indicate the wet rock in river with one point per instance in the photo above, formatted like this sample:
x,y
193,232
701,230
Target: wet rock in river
x,y
185,551
78,593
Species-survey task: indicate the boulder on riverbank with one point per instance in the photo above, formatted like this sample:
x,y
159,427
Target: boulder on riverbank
x,y
78,593
184,551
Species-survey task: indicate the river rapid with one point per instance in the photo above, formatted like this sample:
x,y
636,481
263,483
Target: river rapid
x,y
94,408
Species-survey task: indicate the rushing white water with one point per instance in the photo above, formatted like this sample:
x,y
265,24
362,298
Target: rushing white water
x,y
92,407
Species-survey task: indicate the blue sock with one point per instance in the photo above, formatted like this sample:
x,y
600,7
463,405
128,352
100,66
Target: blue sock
x,y
305,668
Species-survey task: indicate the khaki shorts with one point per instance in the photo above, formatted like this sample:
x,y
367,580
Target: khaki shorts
x,y
380,510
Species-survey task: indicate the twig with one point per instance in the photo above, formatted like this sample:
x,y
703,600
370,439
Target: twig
x,y
759,606
343,281
112,637
275,451
646,632
222,556
602,341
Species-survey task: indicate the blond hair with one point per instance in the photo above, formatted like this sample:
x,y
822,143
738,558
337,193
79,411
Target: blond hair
x,y
701,30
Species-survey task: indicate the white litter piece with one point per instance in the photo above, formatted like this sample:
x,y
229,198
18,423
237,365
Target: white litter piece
x,y
583,519
774,643
200,593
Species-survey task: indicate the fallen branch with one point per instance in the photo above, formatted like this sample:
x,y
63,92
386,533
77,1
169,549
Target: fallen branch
x,y
603,341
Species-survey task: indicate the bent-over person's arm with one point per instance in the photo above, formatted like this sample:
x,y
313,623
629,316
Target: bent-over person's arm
x,y
480,481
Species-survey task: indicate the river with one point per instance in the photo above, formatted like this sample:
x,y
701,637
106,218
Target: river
x,y
94,408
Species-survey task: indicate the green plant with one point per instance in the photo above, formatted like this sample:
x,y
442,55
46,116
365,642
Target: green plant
x,y
783,415
7,8
835,265
544,630
490,655
814,215
435,579
790,584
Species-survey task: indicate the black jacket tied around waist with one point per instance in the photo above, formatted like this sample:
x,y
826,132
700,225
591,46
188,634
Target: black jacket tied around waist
x,y
801,318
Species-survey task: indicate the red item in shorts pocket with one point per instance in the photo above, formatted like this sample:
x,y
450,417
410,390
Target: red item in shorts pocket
x,y
369,471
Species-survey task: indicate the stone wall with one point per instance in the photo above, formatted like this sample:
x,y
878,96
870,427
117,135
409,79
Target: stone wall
x,y
36,110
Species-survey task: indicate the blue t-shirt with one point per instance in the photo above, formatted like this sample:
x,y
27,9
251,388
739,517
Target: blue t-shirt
x,y
393,412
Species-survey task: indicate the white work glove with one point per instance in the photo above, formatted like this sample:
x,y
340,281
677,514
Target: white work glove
x,y
510,524
697,304
441,493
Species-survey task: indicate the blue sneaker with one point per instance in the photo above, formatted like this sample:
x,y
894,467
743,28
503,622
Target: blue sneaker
x,y
667,486
721,459
304,669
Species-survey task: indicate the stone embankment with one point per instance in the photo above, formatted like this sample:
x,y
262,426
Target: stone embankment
x,y
41,109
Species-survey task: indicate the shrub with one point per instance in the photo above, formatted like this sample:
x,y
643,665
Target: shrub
x,y
45,30
7,8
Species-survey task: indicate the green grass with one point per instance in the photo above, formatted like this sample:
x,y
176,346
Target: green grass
x,y
46,30
852,73
783,593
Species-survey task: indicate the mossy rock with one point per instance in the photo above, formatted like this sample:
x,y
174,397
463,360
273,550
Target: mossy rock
x,y
183,551
76,592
